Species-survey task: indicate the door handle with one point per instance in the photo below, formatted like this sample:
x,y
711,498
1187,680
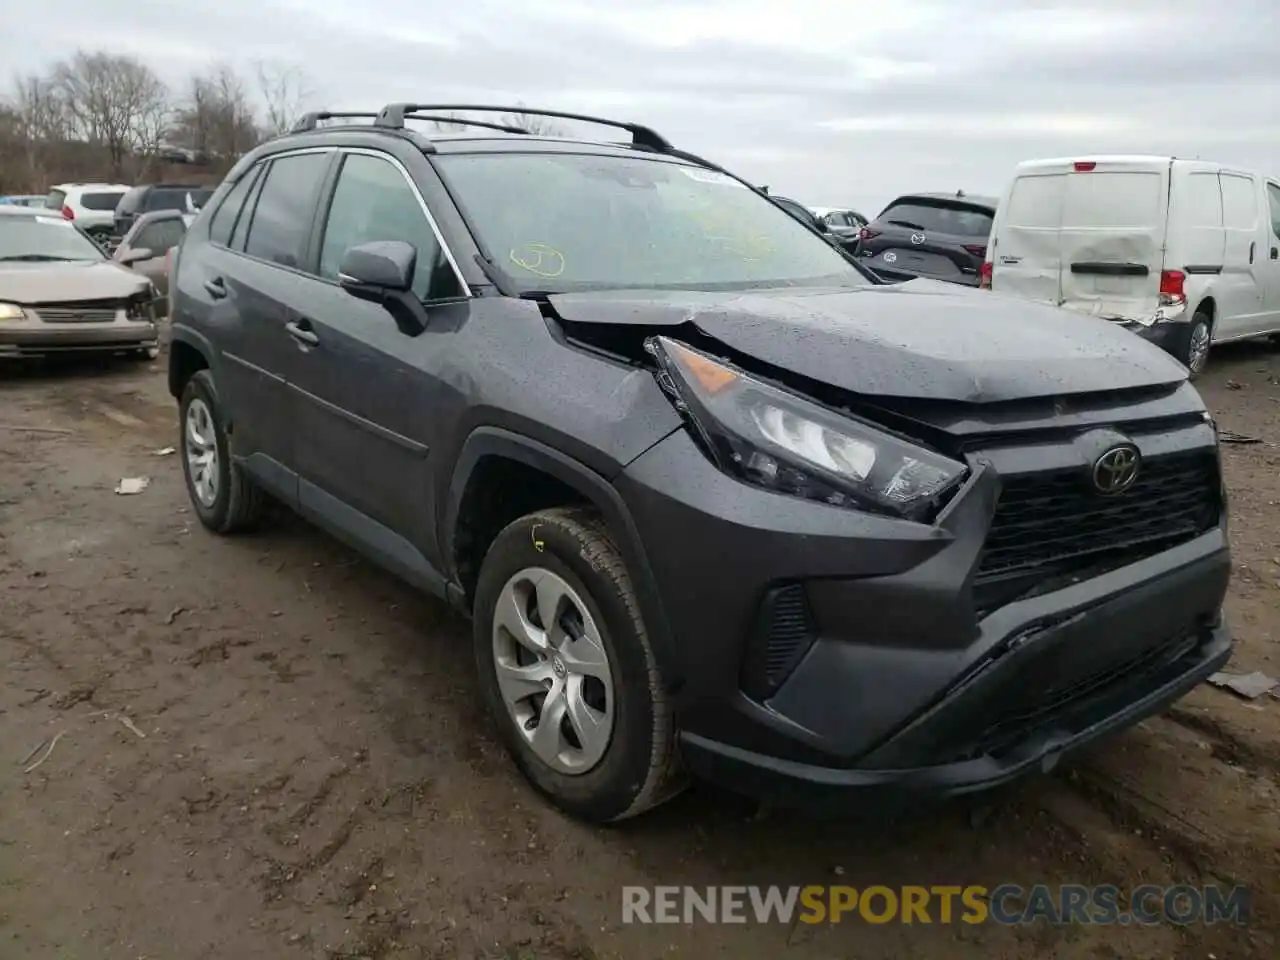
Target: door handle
x,y
301,334
1275,253
1252,249
216,288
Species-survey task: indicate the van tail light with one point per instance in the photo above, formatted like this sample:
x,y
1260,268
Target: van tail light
x,y
1173,288
985,275
977,249
866,233
68,213
1085,166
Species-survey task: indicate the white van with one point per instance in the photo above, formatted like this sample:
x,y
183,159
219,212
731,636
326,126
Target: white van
x,y
1184,252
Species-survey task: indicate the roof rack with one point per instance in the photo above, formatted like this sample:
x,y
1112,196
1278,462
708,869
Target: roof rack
x,y
504,127
393,116
310,121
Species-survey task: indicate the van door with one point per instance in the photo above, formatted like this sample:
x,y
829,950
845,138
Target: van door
x,y
1113,236
1240,289
1025,255
1271,265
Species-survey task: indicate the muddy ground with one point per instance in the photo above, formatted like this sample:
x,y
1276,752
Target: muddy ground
x,y
268,749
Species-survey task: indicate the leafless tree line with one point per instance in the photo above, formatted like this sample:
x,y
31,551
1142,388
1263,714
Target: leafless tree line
x,y
99,115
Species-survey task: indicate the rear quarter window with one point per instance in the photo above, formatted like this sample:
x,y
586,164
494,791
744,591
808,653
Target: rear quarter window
x,y
131,201
100,201
1114,199
55,199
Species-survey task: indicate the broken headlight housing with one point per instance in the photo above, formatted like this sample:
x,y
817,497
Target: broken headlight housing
x,y
779,440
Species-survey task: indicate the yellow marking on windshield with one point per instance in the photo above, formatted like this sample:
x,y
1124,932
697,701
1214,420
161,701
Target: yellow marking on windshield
x,y
541,259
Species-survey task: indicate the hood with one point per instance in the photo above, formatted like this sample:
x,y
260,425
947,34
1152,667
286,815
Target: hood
x,y
32,284
922,339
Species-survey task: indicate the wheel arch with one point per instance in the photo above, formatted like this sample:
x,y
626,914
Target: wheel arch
x,y
577,483
189,352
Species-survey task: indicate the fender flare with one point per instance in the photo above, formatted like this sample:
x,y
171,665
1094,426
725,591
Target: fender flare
x,y
494,441
181,333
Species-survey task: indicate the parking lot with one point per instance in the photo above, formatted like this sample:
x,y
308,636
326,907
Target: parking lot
x,y
264,747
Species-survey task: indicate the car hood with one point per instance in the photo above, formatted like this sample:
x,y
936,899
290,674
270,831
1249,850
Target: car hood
x,y
32,284
922,339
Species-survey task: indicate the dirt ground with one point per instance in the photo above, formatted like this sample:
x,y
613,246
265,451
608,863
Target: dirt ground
x,y
268,749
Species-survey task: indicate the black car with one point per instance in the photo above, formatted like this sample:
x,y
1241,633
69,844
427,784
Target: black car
x,y
937,235
150,197
717,502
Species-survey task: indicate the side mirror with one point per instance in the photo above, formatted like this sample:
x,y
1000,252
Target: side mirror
x,y
382,272
136,255
381,267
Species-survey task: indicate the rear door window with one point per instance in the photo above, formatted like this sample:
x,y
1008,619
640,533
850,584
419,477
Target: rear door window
x,y
1114,200
100,201
1273,195
282,218
959,220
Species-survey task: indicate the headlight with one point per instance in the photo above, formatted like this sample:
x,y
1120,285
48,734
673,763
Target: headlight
x,y
779,440
11,311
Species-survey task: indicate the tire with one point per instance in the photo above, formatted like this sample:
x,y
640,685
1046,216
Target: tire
x,y
236,503
1190,353
638,767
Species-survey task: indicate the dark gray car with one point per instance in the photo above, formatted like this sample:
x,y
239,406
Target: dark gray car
x,y
716,501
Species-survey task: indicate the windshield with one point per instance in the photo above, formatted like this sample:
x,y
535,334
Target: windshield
x,y
44,238
959,220
558,222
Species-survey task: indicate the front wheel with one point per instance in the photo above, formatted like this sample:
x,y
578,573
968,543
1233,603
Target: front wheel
x,y
567,671
1194,351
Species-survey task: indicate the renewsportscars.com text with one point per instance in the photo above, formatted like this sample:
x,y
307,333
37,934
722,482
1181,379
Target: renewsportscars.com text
x,y
1004,904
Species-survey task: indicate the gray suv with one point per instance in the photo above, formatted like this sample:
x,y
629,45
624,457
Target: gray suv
x,y
716,501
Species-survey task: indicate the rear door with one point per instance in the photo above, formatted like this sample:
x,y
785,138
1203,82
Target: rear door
x,y
1026,248
1272,263
364,390
1114,218
1244,268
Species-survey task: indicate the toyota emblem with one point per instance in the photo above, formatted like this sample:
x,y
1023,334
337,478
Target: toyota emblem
x,y
1117,469
917,238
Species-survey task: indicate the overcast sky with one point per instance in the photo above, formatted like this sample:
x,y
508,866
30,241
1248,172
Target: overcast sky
x,y
832,102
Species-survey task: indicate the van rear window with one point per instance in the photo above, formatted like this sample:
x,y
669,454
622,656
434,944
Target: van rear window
x,y
1114,199
1036,202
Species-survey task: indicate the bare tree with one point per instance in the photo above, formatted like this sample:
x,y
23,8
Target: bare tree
x,y
113,101
216,119
38,121
286,92
532,123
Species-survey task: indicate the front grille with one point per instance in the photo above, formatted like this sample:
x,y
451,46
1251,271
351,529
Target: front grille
x,y
1052,524
86,311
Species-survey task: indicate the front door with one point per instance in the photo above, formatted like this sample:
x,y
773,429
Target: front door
x,y
366,393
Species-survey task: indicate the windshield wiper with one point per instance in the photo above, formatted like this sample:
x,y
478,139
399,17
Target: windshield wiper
x,y
43,258
908,224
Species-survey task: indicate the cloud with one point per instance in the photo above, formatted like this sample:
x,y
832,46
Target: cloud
x,y
831,103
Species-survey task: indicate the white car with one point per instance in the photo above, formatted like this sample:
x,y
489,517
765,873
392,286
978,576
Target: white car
x,y
91,206
1184,252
